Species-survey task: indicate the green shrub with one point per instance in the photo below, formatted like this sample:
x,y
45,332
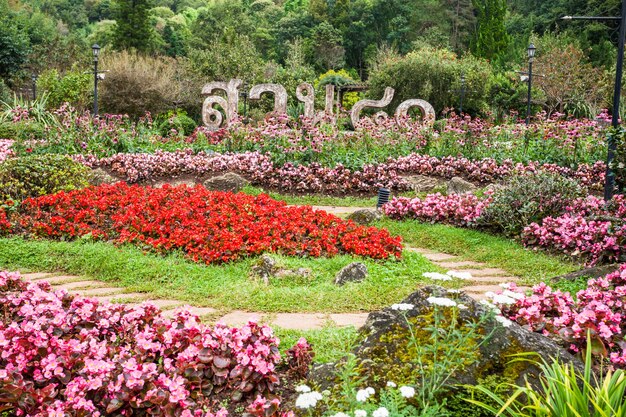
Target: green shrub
x,y
527,199
24,130
73,87
36,175
179,121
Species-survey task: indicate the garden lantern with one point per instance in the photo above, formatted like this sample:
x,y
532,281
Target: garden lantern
x,y
96,52
531,57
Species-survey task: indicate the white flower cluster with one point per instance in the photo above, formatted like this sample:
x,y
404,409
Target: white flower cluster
x,y
436,276
381,412
402,307
360,413
407,392
441,301
363,394
391,384
308,399
504,321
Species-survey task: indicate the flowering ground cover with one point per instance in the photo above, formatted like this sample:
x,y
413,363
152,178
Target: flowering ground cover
x,y
69,356
597,310
207,226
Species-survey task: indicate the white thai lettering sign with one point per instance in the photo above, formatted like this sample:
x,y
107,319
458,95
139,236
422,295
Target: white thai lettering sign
x,y
305,93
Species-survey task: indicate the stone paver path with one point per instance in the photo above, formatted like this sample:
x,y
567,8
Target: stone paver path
x,y
484,279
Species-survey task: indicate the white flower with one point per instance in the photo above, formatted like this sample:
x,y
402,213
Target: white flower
x,y
341,415
308,399
513,294
407,392
303,388
402,307
504,321
462,307
381,412
490,306
363,394
436,276
360,413
391,384
454,291
502,299
441,301
460,275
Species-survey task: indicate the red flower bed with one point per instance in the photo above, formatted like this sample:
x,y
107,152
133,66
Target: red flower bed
x,y
207,226
63,355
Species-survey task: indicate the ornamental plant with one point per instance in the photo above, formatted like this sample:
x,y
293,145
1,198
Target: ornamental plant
x,y
596,311
206,226
64,355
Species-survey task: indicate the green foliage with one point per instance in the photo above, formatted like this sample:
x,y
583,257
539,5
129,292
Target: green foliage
x,y
432,75
37,175
457,404
338,79
177,120
528,199
133,28
564,392
491,38
14,45
74,88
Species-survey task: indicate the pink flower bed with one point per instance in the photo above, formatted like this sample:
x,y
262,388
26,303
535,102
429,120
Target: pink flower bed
x,y
597,309
64,355
455,209
5,149
316,178
588,230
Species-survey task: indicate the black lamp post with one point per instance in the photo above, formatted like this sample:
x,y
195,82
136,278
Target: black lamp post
x,y
33,78
462,93
531,57
244,93
609,182
96,51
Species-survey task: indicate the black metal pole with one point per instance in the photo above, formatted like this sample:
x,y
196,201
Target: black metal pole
x,y
609,184
530,86
34,79
95,86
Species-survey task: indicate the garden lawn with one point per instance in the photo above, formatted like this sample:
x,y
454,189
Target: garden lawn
x,y
330,344
495,251
226,286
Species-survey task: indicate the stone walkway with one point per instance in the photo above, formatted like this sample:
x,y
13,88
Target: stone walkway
x,y
483,280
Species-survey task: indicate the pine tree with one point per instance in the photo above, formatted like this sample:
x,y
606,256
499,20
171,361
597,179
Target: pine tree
x,y
133,29
491,38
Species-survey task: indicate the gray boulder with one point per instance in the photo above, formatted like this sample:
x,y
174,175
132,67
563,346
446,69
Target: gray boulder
x,y
458,185
99,176
588,273
365,216
423,183
227,182
264,268
354,272
385,349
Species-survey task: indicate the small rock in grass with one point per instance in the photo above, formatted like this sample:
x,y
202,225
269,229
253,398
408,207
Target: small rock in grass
x,y
354,272
365,216
264,268
227,182
458,185
99,176
423,183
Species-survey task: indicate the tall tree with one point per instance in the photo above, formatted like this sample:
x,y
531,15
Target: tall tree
x,y
133,29
491,38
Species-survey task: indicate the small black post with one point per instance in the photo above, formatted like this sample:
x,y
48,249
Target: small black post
x,y
383,197
531,57
609,184
96,51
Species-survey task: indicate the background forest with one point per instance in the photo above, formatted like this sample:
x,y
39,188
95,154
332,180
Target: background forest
x,y
158,53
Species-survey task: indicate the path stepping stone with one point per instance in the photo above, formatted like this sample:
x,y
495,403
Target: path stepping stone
x,y
486,272
37,275
299,321
58,279
99,291
459,264
239,318
437,257
349,319
78,284
493,280
136,297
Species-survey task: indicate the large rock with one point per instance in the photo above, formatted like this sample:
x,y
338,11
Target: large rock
x,y
99,176
588,273
354,272
386,354
423,183
227,182
458,185
365,216
264,268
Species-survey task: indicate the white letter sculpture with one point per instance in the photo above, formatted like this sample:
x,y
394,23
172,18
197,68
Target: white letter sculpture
x,y
230,104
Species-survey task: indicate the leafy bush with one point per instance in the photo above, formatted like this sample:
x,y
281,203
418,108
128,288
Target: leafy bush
x,y
179,121
207,226
432,75
527,199
37,175
74,87
65,355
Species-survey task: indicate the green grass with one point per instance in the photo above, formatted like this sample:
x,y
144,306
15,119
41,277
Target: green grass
x,y
329,344
227,286
315,200
495,251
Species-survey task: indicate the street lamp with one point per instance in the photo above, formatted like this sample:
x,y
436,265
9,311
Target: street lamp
x,y
609,181
33,78
462,93
96,52
531,57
